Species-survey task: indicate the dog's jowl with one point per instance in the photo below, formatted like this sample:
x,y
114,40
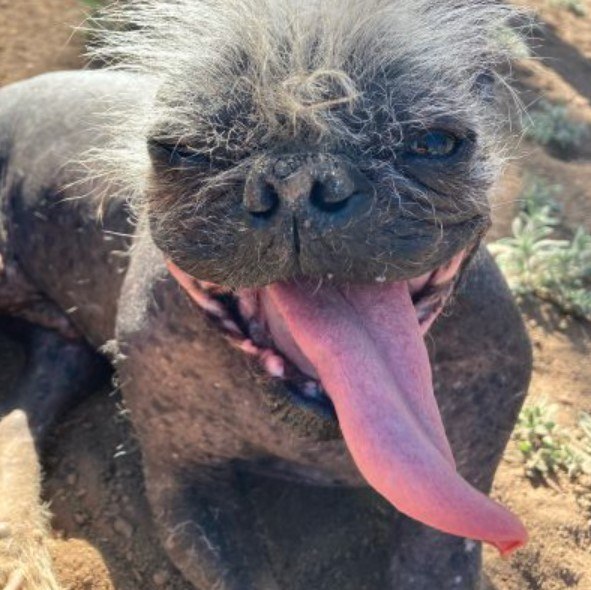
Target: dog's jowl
x,y
258,214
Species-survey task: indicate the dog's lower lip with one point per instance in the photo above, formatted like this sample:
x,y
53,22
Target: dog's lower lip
x,y
238,316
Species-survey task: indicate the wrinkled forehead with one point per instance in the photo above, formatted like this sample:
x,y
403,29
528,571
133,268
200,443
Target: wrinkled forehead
x,y
328,68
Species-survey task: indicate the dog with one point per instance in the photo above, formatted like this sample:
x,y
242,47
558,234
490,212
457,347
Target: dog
x,y
258,213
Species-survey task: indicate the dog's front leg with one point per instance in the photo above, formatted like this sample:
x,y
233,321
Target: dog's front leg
x,y
208,528
204,518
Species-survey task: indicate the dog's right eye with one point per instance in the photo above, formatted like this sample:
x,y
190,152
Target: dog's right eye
x,y
435,143
177,154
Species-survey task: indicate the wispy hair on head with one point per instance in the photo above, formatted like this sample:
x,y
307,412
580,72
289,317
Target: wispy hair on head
x,y
245,74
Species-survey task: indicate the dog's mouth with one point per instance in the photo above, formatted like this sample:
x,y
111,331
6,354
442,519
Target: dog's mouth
x,y
356,351
251,323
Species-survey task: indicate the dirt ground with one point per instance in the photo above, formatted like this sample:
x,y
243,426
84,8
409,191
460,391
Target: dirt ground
x,y
104,538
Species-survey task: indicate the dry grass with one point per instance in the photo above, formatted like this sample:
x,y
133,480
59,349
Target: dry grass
x,y
25,563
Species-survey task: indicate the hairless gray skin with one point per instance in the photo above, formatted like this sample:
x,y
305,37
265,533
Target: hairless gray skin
x,y
249,479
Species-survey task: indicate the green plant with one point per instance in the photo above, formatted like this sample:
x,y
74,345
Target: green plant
x,y
538,198
575,6
512,41
535,263
93,4
546,448
550,125
585,432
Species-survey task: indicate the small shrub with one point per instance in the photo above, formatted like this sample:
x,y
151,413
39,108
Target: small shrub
x,y
546,449
551,126
93,4
513,41
536,264
585,430
575,6
538,198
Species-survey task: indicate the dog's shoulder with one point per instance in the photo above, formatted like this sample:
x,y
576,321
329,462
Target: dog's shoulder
x,y
61,111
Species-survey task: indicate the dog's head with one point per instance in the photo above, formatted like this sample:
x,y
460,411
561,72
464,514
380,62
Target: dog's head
x,y
318,176
349,142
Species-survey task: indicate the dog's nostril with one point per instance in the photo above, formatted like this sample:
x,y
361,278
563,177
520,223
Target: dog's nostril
x,y
327,199
264,203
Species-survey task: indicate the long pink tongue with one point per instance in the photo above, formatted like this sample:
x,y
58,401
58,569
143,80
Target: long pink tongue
x,y
365,345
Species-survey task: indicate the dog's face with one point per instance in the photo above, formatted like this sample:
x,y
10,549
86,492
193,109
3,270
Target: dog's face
x,y
355,159
394,197
319,175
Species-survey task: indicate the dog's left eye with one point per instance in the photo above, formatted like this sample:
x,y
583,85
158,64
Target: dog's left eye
x,y
433,144
177,154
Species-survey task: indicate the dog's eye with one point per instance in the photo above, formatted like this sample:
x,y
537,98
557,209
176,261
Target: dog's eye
x,y
177,154
433,144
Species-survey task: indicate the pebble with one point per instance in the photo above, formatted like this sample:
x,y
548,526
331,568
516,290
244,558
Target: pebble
x,y
80,517
123,527
4,530
160,578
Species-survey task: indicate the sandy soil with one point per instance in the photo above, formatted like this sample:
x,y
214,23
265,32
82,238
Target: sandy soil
x,y
36,36
104,539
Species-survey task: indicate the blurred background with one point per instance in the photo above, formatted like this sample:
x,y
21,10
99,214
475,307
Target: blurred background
x,y
104,539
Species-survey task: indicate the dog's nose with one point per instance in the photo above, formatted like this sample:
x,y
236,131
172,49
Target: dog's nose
x,y
305,187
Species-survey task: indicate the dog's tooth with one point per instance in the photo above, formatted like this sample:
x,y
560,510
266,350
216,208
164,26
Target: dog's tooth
x,y
248,304
419,283
248,347
231,326
273,364
208,304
